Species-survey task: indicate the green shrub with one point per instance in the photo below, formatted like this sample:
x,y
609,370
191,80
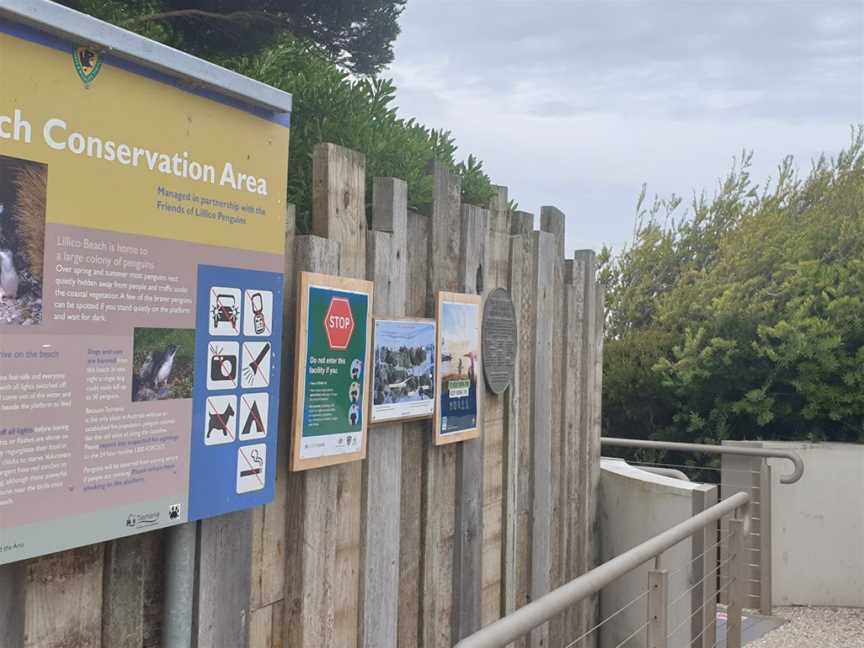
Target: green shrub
x,y
331,106
745,320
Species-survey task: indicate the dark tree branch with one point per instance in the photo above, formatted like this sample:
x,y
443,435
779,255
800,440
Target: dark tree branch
x,y
198,13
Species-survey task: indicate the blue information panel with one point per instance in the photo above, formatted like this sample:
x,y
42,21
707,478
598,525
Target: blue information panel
x,y
238,349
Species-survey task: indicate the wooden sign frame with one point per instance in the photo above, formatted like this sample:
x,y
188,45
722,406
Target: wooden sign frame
x,y
472,433
419,417
307,281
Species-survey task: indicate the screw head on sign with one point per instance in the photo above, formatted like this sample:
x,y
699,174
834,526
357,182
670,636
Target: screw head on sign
x,y
339,323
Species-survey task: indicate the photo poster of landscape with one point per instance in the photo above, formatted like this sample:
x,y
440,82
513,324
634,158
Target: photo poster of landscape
x,y
403,385
457,414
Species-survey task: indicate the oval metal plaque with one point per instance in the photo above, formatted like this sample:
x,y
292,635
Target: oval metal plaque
x,y
499,340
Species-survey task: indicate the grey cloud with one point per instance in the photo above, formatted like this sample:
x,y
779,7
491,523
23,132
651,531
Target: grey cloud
x,y
578,103
646,55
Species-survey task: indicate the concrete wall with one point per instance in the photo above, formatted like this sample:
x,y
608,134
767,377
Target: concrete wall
x,y
634,506
817,526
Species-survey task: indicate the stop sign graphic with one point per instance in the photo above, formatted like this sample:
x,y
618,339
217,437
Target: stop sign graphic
x,y
339,323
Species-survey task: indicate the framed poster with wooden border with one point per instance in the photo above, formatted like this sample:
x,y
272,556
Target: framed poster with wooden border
x,y
457,412
403,369
334,330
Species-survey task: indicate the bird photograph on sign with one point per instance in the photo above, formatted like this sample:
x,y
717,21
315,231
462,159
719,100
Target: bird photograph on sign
x,y
162,363
23,186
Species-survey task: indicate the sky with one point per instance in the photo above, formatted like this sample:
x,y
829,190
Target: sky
x,y
577,104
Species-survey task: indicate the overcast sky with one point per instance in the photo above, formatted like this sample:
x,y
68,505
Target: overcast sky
x,y
576,104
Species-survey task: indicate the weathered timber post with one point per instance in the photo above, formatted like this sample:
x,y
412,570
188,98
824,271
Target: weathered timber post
x,y
386,265
541,377
517,564
439,462
573,458
552,220
589,446
12,598
469,455
414,433
269,529
310,557
339,213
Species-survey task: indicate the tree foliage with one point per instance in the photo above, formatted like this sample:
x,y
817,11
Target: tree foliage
x,y
331,103
356,34
331,106
745,319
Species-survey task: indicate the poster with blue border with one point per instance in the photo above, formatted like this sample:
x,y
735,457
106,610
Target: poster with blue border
x,y
236,390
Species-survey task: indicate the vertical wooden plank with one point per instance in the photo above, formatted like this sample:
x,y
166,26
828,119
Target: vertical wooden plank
x,y
552,220
268,531
310,565
231,547
386,264
127,577
261,628
339,214
585,260
410,542
339,204
496,274
63,604
224,581
469,454
439,462
573,460
593,453
154,590
517,565
541,379
12,601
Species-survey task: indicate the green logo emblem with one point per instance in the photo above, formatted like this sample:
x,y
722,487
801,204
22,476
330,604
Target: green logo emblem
x,y
88,62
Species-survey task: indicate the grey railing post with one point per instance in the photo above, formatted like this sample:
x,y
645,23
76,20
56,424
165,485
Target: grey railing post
x,y
737,583
180,549
765,582
658,608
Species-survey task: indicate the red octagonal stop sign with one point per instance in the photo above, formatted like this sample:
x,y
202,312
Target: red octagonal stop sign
x,y
339,323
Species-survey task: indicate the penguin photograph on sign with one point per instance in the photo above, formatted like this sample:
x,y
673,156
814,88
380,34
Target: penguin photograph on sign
x,y
162,363
23,189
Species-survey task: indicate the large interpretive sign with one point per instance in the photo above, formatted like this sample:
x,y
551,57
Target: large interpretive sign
x,y
141,258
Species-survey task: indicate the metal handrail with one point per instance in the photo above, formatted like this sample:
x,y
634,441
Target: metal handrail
x,y
538,612
715,449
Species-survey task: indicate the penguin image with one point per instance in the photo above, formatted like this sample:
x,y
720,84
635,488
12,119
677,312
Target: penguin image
x,y
163,364
8,276
146,370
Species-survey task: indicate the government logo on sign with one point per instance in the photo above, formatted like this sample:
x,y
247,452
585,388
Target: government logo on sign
x,y
339,323
88,62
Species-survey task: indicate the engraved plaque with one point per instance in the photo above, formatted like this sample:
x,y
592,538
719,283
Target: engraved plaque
x,y
499,340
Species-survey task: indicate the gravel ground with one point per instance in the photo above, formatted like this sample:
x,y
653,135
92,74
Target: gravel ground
x,y
815,627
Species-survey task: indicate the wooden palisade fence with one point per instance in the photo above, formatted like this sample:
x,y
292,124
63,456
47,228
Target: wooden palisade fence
x,y
419,545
